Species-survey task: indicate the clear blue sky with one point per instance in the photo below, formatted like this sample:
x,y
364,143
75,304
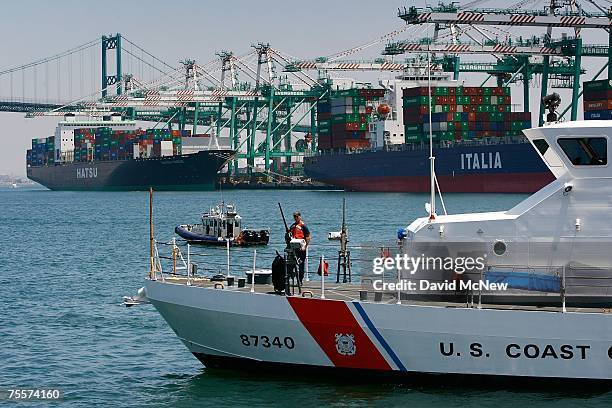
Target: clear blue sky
x,y
174,30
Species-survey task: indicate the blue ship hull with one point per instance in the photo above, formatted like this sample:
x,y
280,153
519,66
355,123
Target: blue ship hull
x,y
464,168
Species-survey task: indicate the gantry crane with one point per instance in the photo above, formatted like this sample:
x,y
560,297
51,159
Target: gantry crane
x,y
552,16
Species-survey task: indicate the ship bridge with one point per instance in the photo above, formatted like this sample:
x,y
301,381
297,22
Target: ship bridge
x,y
574,149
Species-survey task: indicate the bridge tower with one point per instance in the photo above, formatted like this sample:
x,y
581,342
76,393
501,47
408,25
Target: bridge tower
x,y
111,43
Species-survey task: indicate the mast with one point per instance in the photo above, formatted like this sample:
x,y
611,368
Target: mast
x,y
432,181
152,256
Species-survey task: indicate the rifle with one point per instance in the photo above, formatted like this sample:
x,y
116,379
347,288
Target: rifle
x,y
287,232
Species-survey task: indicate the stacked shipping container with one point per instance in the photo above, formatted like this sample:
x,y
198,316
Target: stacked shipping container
x,y
42,152
343,119
597,100
103,143
460,113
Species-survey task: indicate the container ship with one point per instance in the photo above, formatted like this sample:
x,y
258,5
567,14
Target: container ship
x,y
478,141
112,154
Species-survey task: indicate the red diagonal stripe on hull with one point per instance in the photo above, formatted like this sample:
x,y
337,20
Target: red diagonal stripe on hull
x,y
324,319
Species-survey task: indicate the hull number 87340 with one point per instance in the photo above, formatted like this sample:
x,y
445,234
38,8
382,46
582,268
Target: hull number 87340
x,y
266,342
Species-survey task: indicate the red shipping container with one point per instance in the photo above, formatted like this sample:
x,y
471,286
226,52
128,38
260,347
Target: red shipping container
x,y
452,100
482,117
471,116
419,91
598,105
412,117
419,110
597,95
452,91
452,108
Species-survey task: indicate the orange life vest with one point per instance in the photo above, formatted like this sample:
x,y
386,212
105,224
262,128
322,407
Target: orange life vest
x,y
296,230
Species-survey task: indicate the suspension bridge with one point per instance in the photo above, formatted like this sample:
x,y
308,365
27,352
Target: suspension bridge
x,y
269,93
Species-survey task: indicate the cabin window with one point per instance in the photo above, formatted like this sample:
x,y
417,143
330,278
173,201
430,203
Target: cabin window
x,y
541,145
585,151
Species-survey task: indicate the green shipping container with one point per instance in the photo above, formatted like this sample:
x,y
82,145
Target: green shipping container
x,y
516,126
464,100
441,91
345,92
448,136
412,137
416,100
601,85
351,117
413,128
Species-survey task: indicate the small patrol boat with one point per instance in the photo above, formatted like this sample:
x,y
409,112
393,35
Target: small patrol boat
x,y
564,229
220,225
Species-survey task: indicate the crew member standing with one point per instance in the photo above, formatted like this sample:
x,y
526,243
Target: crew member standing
x,y
299,230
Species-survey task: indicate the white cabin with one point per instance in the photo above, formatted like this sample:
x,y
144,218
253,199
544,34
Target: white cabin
x,y
568,222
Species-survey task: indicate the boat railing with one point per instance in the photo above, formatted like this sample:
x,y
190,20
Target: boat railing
x,y
181,259
567,280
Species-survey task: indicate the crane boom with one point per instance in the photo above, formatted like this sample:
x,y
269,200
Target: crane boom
x,y
508,65
562,48
532,18
346,66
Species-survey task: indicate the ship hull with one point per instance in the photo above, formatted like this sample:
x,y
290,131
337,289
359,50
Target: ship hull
x,y
196,171
233,329
499,168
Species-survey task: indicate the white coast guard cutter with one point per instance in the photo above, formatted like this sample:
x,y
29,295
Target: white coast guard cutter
x,y
227,326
